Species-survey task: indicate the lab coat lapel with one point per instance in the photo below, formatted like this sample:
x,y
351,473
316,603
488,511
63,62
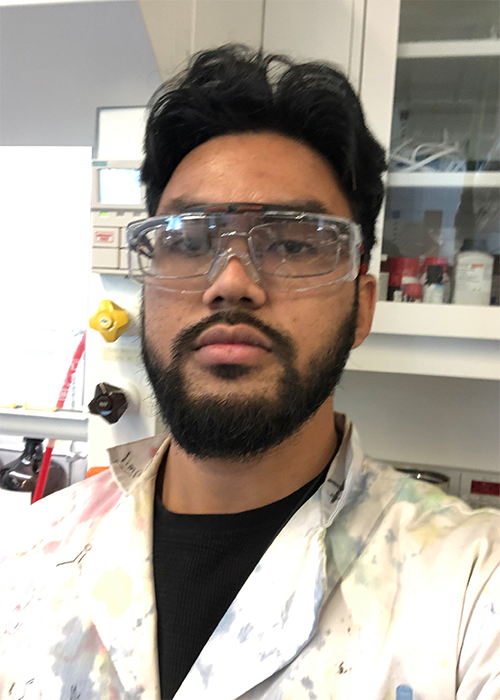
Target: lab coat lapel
x,y
270,620
275,613
118,580
354,496
367,495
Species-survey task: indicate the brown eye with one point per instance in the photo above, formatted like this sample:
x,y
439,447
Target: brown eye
x,y
293,247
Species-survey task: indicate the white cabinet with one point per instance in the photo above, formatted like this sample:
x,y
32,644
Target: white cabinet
x,y
178,28
305,29
316,30
425,387
217,22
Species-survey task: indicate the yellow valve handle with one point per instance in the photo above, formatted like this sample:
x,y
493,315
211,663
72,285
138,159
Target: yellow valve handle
x,y
110,320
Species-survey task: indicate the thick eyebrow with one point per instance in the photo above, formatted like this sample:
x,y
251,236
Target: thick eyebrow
x,y
180,204
312,206
177,206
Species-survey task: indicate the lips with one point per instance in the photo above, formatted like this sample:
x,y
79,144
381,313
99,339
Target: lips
x,y
235,335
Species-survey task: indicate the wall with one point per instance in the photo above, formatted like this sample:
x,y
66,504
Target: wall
x,y
438,421
58,63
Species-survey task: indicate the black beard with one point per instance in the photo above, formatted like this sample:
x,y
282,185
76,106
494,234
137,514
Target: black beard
x,y
237,429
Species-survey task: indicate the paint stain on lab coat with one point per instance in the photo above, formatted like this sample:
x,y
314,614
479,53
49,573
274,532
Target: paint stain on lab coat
x,y
115,589
51,547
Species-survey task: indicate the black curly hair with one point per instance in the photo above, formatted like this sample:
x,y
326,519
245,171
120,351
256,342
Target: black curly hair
x,y
235,89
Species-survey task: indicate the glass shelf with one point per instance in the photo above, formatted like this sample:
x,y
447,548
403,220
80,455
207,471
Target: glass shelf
x,y
449,49
436,179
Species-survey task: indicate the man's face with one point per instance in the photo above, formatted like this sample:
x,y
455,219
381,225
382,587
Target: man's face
x,y
236,410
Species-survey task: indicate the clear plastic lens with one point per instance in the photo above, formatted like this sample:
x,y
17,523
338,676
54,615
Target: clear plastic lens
x,y
172,252
293,250
297,249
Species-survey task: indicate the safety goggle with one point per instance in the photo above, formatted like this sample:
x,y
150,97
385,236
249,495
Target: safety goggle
x,y
285,250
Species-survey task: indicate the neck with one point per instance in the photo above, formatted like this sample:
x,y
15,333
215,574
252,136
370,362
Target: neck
x,y
221,486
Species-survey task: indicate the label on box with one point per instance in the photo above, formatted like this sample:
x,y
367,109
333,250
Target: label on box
x,y
485,488
106,236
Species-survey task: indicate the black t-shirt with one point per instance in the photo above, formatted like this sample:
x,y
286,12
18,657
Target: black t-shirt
x,y
200,563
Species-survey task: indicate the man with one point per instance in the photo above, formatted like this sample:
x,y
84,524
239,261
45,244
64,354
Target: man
x,y
259,554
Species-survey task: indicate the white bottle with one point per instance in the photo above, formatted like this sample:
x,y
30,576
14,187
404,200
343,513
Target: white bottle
x,y
433,288
473,278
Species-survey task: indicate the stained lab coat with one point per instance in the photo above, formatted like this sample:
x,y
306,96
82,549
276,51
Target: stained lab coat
x,y
386,589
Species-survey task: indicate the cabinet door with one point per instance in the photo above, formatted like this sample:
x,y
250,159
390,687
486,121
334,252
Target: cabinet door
x,y
316,30
178,28
305,29
218,22
429,88
441,230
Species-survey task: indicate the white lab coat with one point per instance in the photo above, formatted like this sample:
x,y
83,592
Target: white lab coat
x,y
387,590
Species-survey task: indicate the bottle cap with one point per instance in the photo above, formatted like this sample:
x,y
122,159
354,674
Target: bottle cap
x,y
37,441
470,245
404,267
435,274
435,261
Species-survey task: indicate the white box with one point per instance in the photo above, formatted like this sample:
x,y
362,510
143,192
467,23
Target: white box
x,y
124,260
105,258
123,237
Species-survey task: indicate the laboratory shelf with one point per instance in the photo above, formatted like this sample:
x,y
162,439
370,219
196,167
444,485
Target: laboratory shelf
x,y
59,425
437,320
449,49
437,179
432,340
461,358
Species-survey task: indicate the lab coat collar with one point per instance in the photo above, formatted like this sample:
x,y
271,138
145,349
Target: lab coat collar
x,y
253,640
135,463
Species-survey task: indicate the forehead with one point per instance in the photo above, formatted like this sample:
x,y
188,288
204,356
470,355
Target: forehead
x,y
264,167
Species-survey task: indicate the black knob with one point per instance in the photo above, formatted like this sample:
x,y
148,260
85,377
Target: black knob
x,y
109,401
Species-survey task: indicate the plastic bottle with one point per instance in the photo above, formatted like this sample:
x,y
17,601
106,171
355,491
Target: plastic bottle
x,y
394,290
435,260
402,272
473,275
412,293
383,280
21,475
433,288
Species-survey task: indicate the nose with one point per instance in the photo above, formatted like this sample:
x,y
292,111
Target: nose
x,y
235,285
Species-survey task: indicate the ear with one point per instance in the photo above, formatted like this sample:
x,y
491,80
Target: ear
x,y
366,307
